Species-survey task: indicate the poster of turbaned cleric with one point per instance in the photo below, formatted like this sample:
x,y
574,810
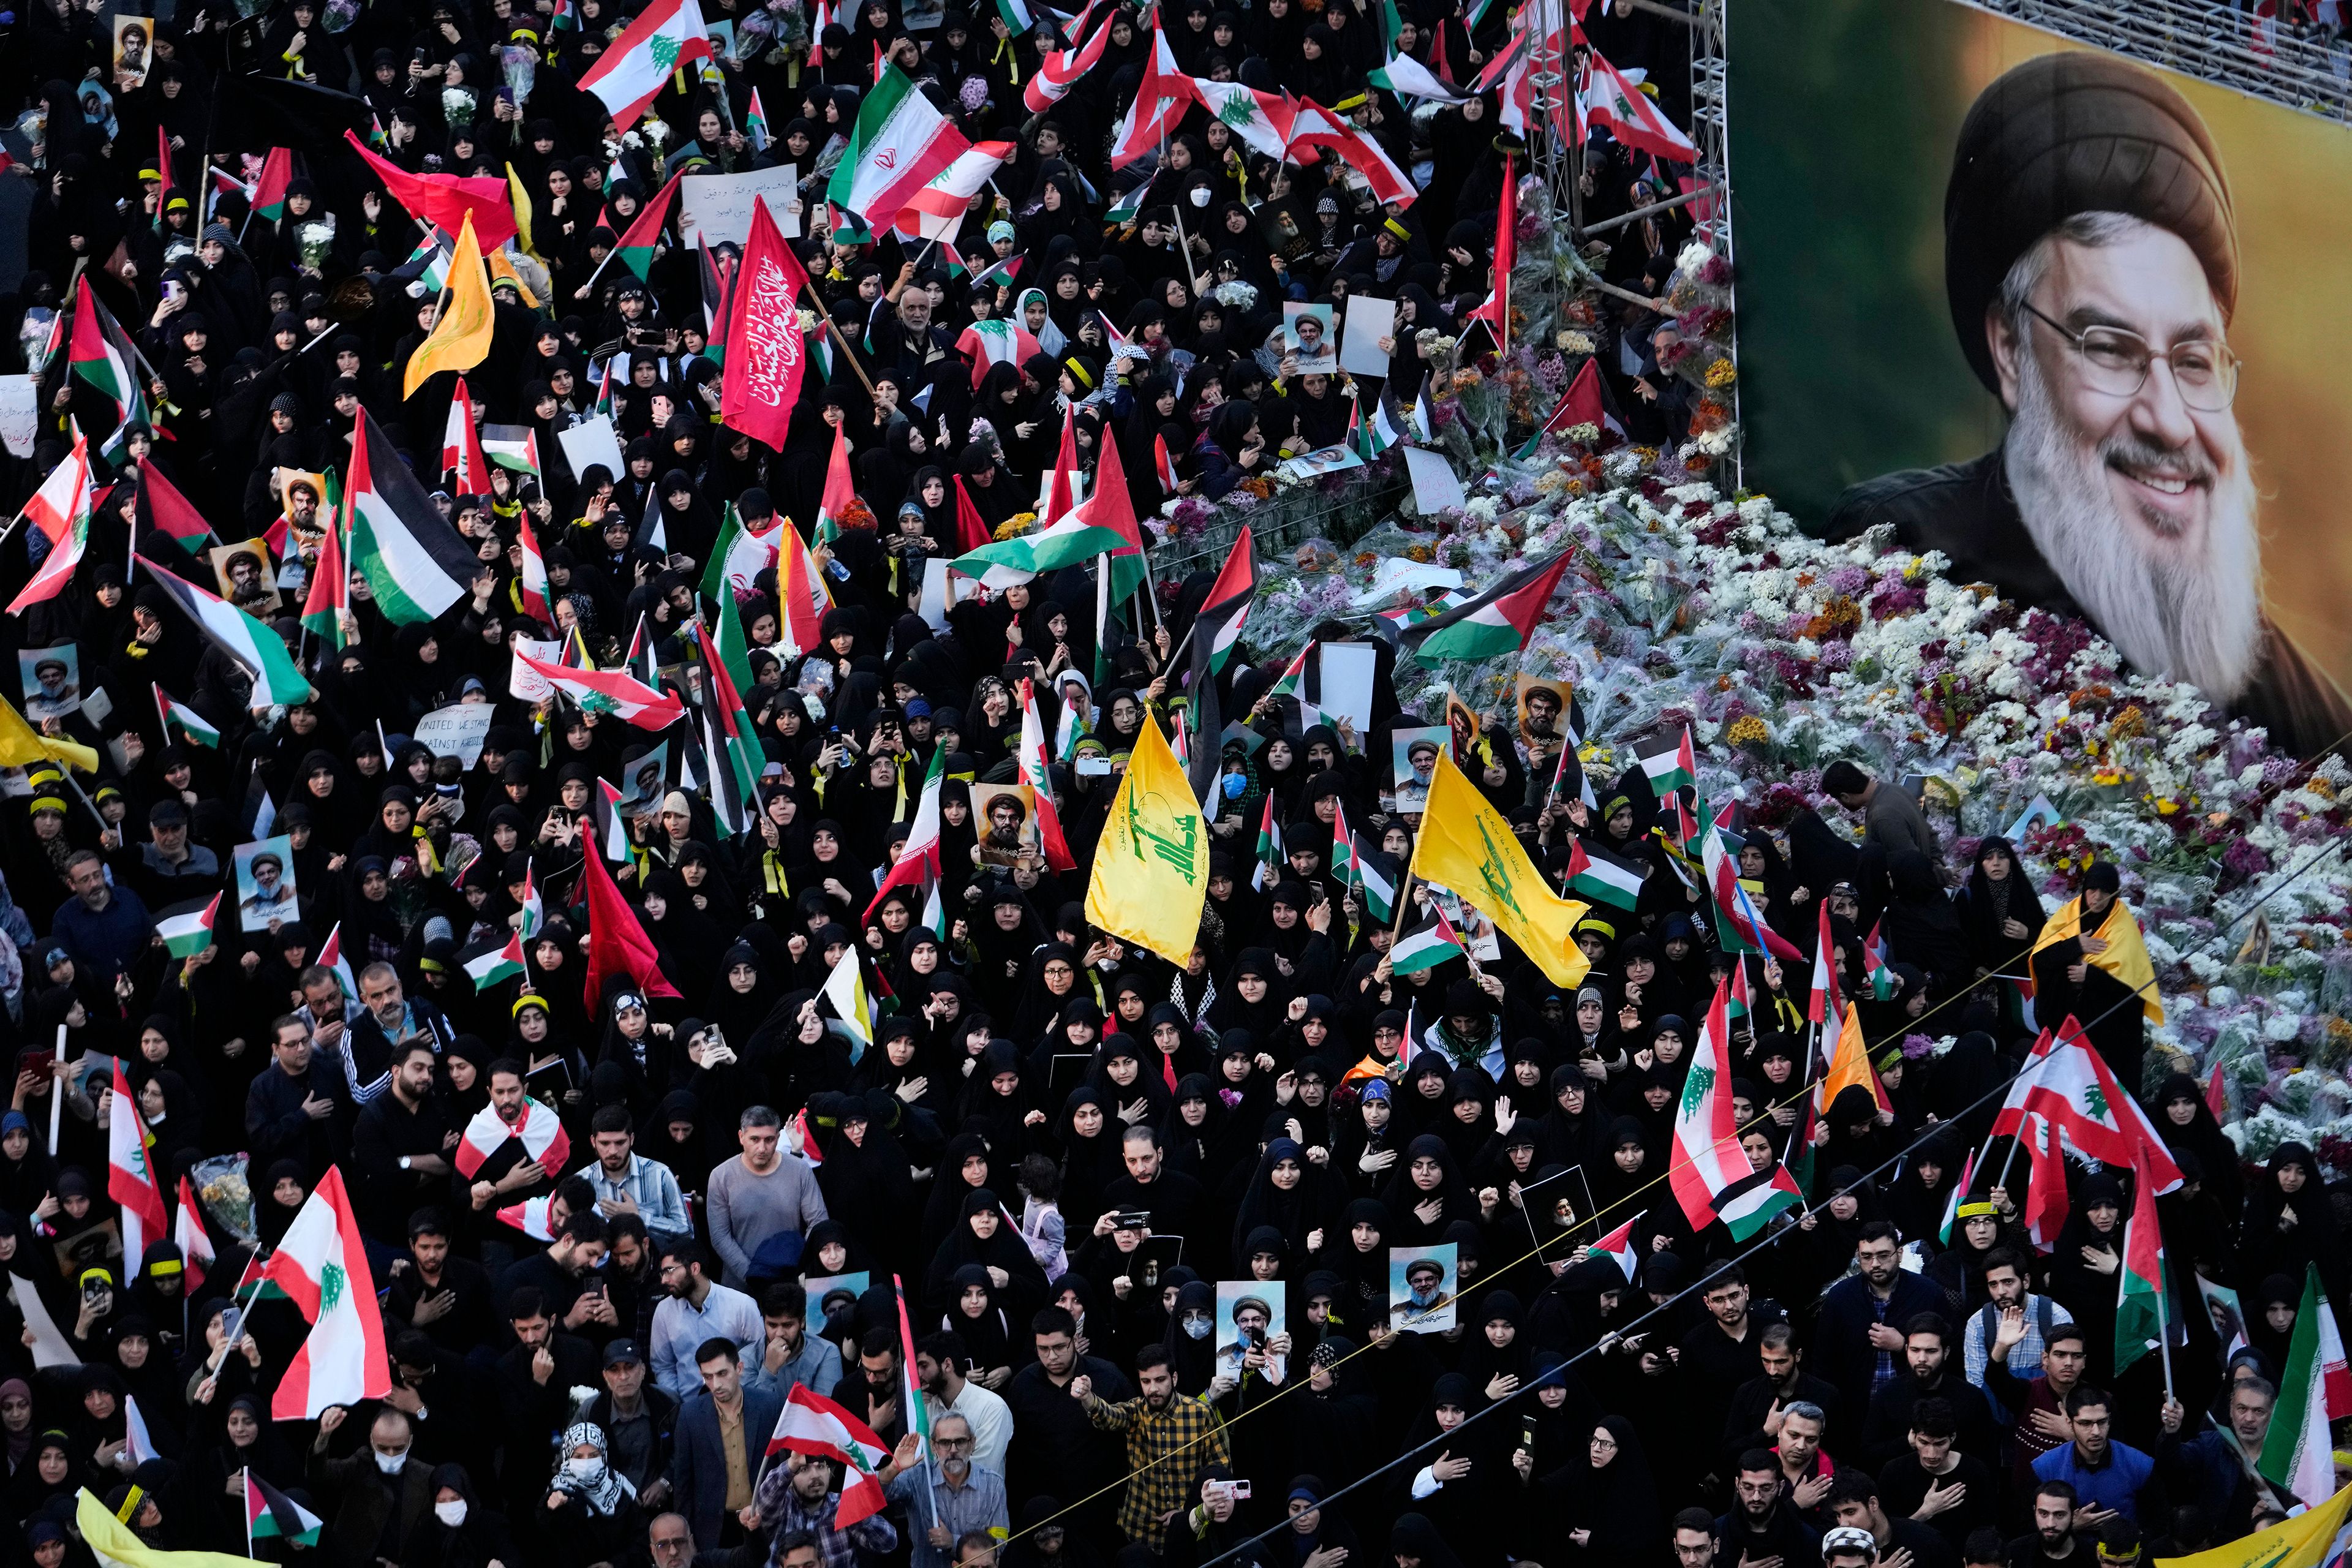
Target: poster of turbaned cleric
x,y
2074,320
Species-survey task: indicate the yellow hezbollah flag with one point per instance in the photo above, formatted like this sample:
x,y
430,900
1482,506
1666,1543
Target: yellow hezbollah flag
x,y
461,336
2309,1539
2126,957
113,1541
1850,1063
522,213
21,744
1467,848
1151,863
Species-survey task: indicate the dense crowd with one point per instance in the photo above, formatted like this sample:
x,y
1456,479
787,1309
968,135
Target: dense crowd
x,y
1468,1320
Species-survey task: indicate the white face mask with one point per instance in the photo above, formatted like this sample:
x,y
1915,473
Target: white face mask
x,y
587,1472
390,1463
452,1514
1198,1327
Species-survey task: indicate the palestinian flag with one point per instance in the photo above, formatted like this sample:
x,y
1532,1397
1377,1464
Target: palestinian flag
x,y
1408,77
59,510
188,930
534,910
899,143
330,957
253,645
539,1130
1877,973
610,692
1669,763
1586,402
1959,1200
269,187
1738,923
1292,682
1072,541
996,341
755,124
1378,874
919,855
1428,940
1601,878
1273,862
1007,270
329,593
1109,505
101,358
722,708
1498,621
1618,1246
322,1264
271,1515
492,964
635,249
1343,848
164,510
514,447
192,725
632,72
411,557
1218,626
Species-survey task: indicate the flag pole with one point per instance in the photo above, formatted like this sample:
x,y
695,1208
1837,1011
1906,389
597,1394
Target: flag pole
x,y
247,1473
56,1089
2163,1333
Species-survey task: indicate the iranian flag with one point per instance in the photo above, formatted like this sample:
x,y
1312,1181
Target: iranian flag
x,y
638,64
322,1264
1498,621
813,1426
996,341
1161,99
461,444
636,248
1711,1176
766,356
414,560
189,1235
1263,119
1669,761
270,185
60,509
532,579
1031,760
919,857
130,1179
101,358
1602,877
188,930
2297,1453
741,553
1607,99
495,963
1069,542
328,595
271,1515
2140,1324
2065,1081
257,648
899,143
539,1128
609,691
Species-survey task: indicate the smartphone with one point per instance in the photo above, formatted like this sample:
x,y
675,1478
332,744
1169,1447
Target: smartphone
x,y
1134,1220
41,1061
1238,1491
231,1324
1093,767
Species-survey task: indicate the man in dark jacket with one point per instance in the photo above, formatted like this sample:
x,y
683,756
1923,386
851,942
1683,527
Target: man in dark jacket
x,y
1056,1449
1763,1523
378,1494
1930,1373
290,1109
1858,1341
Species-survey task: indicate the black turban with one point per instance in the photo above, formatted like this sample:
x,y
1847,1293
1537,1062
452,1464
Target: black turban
x,y
2070,133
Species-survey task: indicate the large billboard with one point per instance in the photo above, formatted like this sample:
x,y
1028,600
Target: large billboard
x,y
2082,324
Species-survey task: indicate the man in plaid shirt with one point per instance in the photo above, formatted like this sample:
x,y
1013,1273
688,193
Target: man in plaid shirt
x,y
798,1496
1171,1439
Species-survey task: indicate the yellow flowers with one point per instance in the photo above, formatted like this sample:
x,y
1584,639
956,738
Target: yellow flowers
x,y
1720,375
1748,730
1014,527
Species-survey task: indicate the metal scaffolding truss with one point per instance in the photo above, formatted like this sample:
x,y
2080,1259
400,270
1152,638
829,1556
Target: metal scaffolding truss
x,y
2303,66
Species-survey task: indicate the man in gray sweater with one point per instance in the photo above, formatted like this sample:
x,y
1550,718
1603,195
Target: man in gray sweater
x,y
759,1194
1890,818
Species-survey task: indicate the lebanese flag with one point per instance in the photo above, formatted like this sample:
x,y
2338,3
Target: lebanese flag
x,y
919,857
1614,104
530,1216
622,946
765,354
540,1130
2046,1206
1161,99
938,210
532,583
1823,1004
812,1424
1032,757
1165,465
461,445
972,529
1319,127
2066,1083
194,1242
609,691
59,509
996,341
1711,1175
1060,71
322,1264
446,201
1263,119
131,1170
1496,311
640,62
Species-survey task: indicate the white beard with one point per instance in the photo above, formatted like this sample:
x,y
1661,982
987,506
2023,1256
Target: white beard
x,y
2194,616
